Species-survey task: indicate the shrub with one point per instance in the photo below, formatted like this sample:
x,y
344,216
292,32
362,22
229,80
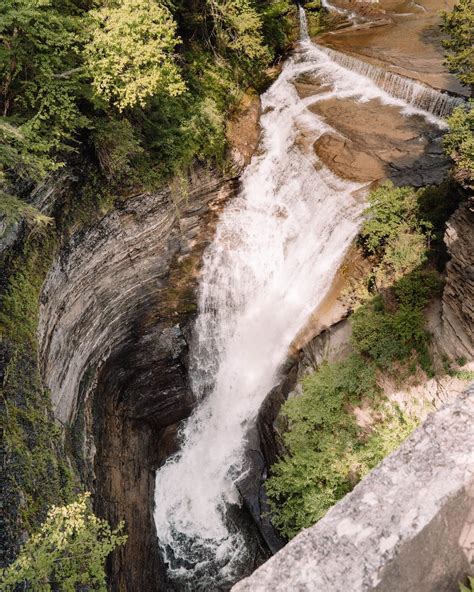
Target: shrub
x,y
68,551
327,451
130,55
415,289
459,25
116,145
390,208
405,252
458,143
386,337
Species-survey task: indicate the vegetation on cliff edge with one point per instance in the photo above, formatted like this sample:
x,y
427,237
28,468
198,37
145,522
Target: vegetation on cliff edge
x,y
67,553
342,426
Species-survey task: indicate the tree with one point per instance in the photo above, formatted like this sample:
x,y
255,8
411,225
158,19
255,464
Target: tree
x,y
459,26
459,144
69,550
41,78
238,27
130,55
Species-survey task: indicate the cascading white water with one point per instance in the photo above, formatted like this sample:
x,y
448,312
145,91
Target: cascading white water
x,y
276,250
414,93
349,14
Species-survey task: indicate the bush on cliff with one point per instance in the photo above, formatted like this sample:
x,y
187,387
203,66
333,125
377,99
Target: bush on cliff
x,y
67,553
459,26
328,449
459,144
328,452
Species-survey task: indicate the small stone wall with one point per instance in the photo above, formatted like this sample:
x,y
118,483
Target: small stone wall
x,y
407,527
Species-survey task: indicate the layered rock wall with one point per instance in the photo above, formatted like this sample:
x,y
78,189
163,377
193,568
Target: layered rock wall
x,y
115,318
457,332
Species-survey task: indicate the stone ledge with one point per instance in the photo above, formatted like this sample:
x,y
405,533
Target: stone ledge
x,y
409,525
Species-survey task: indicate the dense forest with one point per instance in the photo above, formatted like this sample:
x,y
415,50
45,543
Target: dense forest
x,y
140,87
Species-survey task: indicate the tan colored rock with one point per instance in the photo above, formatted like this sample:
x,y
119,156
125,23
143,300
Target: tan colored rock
x,y
347,161
243,129
374,141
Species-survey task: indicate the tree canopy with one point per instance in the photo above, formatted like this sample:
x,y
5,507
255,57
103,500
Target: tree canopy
x,y
459,26
73,70
130,55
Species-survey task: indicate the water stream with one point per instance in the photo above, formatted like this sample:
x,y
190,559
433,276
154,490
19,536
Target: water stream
x,y
277,247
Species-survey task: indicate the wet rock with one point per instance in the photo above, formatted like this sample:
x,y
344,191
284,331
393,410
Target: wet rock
x,y
377,142
346,160
409,43
115,314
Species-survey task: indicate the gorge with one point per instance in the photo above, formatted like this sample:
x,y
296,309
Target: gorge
x,y
172,327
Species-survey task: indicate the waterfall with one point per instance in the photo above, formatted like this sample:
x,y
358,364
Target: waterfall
x,y
304,35
414,93
350,15
277,247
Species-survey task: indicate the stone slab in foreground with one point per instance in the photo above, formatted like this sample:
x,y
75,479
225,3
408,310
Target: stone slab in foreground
x,y
407,527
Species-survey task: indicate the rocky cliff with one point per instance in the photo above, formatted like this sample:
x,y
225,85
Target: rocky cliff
x,y
457,330
114,321
416,504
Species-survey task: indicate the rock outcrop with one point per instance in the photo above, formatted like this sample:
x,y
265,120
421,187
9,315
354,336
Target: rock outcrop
x,y
409,525
457,330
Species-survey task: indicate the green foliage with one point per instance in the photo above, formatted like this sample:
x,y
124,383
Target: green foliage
x,y
459,144
469,587
404,252
39,68
37,473
116,146
404,229
387,337
68,551
327,451
12,210
390,210
130,55
459,26
238,28
67,69
278,20
316,18
19,300
416,289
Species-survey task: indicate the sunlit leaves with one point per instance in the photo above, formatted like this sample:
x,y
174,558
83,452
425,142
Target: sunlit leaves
x,y
131,53
459,25
68,551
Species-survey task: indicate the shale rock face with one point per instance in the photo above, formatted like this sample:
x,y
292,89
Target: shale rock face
x,y
408,526
116,310
458,297
112,277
